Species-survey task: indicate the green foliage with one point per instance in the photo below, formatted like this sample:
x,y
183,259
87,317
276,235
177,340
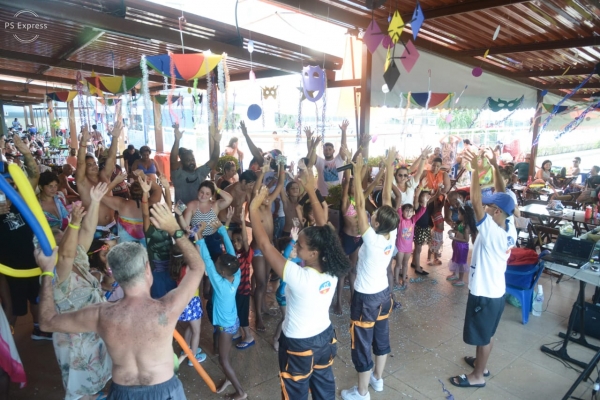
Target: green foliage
x,y
286,120
55,142
560,149
374,161
461,119
224,160
334,198
56,124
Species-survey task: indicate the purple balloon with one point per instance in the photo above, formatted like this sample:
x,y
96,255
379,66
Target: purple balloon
x,y
477,71
387,42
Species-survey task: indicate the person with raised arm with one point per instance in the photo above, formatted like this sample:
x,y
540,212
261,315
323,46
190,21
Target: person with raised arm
x,y
74,288
88,174
127,326
185,176
372,301
328,164
487,286
307,344
257,156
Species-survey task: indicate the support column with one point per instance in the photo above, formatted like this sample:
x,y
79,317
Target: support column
x,y
31,117
3,127
72,123
365,95
26,119
536,128
158,132
214,107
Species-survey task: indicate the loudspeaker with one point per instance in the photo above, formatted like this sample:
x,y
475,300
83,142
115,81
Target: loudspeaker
x,y
592,320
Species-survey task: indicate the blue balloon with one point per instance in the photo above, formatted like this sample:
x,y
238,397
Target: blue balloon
x,y
544,92
254,112
18,201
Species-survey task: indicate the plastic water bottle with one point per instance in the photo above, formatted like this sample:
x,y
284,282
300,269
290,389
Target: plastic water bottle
x,y
538,302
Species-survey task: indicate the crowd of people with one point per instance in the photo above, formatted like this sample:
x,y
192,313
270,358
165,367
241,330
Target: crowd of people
x,y
136,260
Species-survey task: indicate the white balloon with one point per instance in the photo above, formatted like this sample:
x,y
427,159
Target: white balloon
x,y
250,46
385,88
496,33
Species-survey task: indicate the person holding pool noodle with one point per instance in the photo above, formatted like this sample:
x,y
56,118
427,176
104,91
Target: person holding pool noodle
x,y
307,345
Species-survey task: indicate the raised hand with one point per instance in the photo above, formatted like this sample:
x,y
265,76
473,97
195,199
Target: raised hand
x,y
243,128
364,140
358,165
491,156
85,134
391,156
425,152
344,152
164,181
215,133
117,129
294,233
178,133
163,219
120,177
46,263
77,213
344,125
260,197
471,157
21,147
243,216
201,228
145,184
97,192
310,180
266,168
308,132
230,212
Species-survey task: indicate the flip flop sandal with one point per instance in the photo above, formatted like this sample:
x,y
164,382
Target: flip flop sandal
x,y
452,278
458,284
423,272
244,345
471,363
464,382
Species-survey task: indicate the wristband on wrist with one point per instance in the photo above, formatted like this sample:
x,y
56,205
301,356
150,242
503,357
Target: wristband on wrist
x,y
72,226
226,227
218,191
49,273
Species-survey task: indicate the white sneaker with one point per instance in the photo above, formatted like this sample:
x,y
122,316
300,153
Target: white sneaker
x,y
376,384
352,394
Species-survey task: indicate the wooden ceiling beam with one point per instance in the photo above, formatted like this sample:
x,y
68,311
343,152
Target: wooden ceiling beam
x,y
34,76
57,63
539,46
20,88
145,32
553,72
86,37
6,92
464,8
558,86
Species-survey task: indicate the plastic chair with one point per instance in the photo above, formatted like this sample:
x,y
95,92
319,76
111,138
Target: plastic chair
x,y
521,280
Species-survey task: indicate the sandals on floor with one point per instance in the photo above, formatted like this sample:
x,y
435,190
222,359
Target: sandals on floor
x,y
471,363
458,284
452,278
464,382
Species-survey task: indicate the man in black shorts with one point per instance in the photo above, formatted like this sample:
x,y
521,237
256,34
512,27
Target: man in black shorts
x,y
486,277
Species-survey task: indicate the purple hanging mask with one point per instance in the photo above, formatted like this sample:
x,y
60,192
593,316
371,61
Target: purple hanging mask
x,y
313,80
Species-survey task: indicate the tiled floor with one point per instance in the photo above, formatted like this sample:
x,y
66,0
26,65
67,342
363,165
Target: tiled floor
x,y
427,348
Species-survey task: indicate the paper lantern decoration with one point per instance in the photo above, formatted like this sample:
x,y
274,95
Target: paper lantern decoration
x,y
254,112
373,36
396,27
477,71
269,92
187,66
112,84
313,80
64,97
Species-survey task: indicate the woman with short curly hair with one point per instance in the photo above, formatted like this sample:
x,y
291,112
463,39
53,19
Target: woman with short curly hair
x,y
307,344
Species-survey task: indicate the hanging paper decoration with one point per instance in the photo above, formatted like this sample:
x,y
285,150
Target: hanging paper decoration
x,y
113,84
396,27
391,75
254,112
449,118
225,91
387,42
324,114
313,80
417,21
269,92
250,46
108,102
577,121
373,36
187,66
496,33
544,92
435,99
163,99
461,93
299,122
409,56
385,88
486,54
477,71
510,105
64,97
145,89
560,109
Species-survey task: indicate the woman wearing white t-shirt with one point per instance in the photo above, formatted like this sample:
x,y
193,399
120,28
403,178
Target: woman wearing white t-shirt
x,y
405,183
372,300
307,344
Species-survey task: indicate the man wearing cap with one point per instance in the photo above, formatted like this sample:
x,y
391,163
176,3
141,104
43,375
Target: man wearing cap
x,y
486,277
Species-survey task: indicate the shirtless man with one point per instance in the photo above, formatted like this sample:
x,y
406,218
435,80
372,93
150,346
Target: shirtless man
x,y
241,192
128,325
261,268
63,182
88,175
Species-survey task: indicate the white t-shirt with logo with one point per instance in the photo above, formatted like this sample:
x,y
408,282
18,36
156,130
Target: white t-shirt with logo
x,y
308,295
373,259
327,173
490,254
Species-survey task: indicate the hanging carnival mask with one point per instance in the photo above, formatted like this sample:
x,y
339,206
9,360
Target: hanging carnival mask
x,y
510,105
269,91
313,80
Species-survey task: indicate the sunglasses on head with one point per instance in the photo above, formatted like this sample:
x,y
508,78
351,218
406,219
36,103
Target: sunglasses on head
x,y
403,175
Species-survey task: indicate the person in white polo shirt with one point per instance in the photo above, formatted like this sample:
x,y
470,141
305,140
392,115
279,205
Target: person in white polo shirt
x,y
486,277
372,301
307,344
